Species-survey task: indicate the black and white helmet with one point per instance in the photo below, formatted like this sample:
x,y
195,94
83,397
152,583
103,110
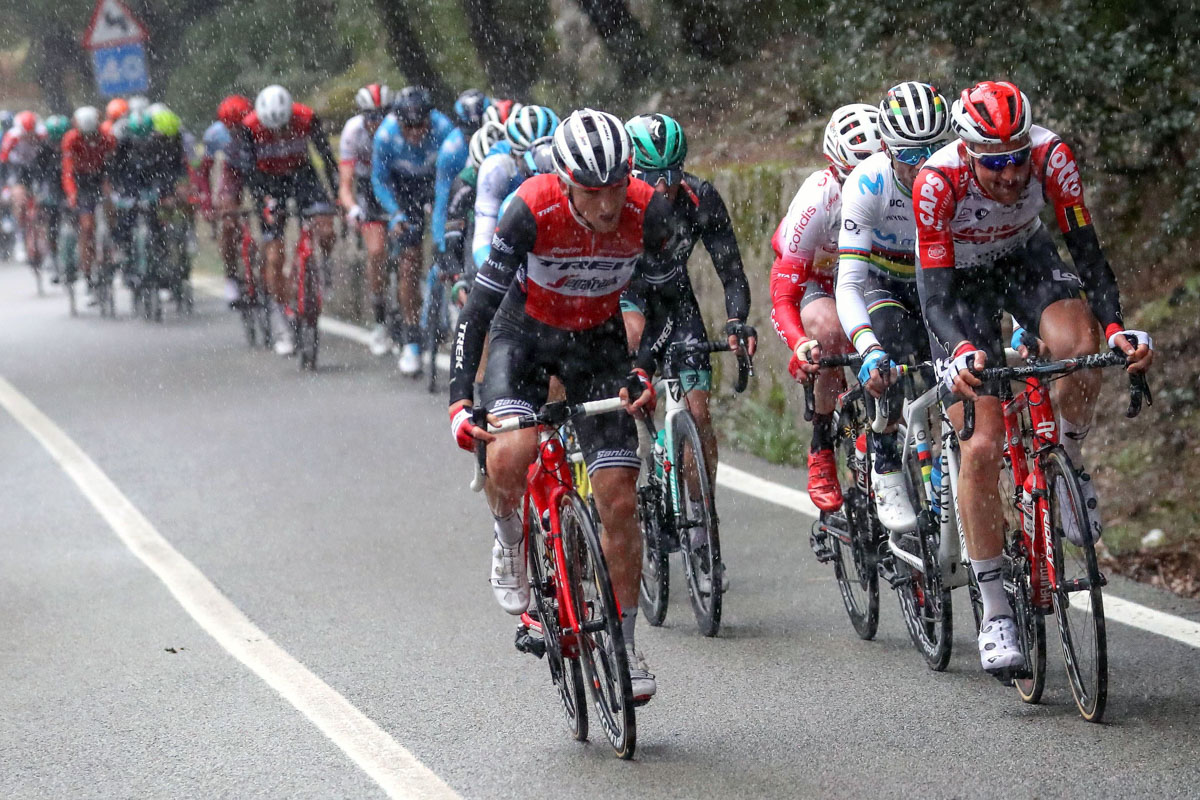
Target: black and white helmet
x,y
592,149
483,140
913,114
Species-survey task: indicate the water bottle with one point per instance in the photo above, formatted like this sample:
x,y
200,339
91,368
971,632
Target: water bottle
x,y
1027,509
860,462
660,449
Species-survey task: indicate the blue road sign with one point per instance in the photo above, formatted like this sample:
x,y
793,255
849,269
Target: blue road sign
x,y
121,70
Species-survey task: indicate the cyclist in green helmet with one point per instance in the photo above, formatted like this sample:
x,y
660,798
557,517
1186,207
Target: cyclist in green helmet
x,y
699,213
47,185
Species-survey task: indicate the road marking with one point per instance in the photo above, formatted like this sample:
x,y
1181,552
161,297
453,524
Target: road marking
x,y
1116,609
381,757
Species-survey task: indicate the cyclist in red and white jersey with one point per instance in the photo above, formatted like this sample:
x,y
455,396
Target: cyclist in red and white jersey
x,y
358,198
982,249
549,297
280,132
18,152
86,153
802,280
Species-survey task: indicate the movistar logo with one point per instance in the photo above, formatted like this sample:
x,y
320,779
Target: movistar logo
x,y
874,187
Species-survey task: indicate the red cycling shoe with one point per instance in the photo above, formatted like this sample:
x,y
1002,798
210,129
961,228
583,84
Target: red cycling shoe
x,y
823,486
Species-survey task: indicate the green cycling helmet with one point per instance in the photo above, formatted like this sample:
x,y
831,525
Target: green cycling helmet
x,y
658,142
57,127
140,125
166,122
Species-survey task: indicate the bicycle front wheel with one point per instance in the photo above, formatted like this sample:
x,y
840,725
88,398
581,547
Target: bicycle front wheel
x,y
699,539
602,642
565,670
1078,603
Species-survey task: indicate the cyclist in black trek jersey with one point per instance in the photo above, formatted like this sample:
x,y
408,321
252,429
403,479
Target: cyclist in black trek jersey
x,y
698,214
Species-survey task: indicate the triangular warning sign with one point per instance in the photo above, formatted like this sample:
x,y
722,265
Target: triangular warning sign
x,y
113,24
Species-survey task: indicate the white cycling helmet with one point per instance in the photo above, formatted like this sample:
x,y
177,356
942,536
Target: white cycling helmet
x,y
592,149
483,140
138,103
852,136
374,97
274,106
913,114
86,119
155,108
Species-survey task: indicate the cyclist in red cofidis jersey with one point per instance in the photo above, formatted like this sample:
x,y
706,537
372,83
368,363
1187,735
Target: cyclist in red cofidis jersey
x,y
982,249
802,283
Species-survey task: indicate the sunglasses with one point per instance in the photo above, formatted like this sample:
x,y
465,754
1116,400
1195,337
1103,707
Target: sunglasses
x,y
671,176
913,155
995,162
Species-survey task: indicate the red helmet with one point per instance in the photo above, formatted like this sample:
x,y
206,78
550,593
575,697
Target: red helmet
x,y
116,108
991,112
26,120
233,110
373,97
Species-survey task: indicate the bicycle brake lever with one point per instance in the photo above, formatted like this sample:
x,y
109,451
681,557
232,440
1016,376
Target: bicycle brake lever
x,y
1139,389
968,429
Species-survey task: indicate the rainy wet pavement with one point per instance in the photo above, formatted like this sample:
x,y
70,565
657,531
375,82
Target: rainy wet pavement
x,y
333,510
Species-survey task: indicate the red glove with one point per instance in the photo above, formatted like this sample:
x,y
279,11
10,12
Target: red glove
x,y
461,426
647,388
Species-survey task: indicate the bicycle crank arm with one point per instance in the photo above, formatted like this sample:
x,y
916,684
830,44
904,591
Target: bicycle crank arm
x,y
526,642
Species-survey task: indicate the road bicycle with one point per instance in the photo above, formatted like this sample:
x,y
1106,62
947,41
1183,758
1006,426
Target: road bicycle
x,y
308,271
435,317
574,621
1044,571
675,498
851,538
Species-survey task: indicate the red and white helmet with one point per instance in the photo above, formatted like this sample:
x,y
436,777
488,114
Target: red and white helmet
x,y
374,97
26,121
852,136
274,106
991,112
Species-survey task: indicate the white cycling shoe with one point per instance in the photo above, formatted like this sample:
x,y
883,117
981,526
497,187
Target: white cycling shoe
x,y
285,342
892,504
640,678
510,577
410,360
1071,526
380,343
999,647
233,291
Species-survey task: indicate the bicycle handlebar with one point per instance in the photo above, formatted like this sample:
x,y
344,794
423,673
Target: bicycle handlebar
x,y
1139,387
828,362
551,414
681,350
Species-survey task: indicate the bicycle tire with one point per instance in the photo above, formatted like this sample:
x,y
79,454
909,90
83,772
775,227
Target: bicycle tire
x,y
859,585
654,591
602,649
565,672
1031,627
432,334
1089,684
704,558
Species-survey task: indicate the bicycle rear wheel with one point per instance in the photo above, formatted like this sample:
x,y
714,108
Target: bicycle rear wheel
x,y
1078,602
699,538
655,590
431,333
602,643
851,540
565,670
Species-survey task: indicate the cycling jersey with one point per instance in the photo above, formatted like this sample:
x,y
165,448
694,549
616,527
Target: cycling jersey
x,y
285,151
499,176
460,218
959,226
805,245
545,264
878,238
19,147
84,159
398,167
354,148
452,157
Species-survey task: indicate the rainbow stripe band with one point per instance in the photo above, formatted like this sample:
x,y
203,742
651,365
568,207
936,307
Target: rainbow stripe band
x,y
860,330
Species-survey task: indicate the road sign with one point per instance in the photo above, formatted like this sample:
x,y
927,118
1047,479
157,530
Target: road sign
x,y
113,25
121,70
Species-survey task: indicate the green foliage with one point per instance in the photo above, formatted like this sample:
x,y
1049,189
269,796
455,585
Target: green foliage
x,y
764,427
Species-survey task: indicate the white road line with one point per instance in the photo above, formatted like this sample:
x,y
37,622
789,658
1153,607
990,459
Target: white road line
x,y
387,763
1115,608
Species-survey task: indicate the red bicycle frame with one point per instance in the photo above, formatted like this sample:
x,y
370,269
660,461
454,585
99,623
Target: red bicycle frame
x,y
306,307
1035,531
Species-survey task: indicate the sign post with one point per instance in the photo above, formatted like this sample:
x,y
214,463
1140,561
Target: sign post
x,y
117,41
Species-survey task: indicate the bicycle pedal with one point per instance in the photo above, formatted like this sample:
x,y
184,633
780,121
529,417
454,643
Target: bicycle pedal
x,y
818,540
886,567
526,642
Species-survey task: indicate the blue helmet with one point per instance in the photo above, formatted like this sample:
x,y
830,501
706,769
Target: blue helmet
x,y
469,108
528,124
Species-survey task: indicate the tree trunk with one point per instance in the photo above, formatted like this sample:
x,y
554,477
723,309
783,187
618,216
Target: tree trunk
x,y
511,50
405,48
624,38
57,54
708,29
